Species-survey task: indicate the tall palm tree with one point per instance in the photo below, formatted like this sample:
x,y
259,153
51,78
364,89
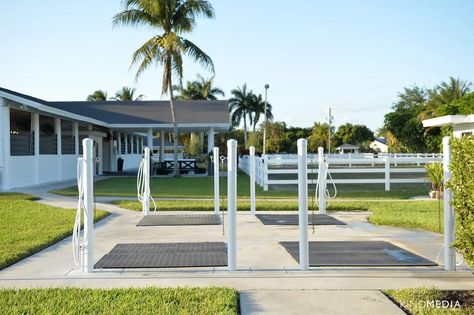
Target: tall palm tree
x,y
258,108
97,96
200,89
172,18
127,94
240,107
444,94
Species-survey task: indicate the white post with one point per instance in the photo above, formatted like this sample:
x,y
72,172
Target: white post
x,y
387,173
112,157
5,136
125,136
146,178
210,139
303,204
149,138
216,180
119,144
232,203
253,205
449,220
322,173
36,129
265,172
132,151
57,130
88,180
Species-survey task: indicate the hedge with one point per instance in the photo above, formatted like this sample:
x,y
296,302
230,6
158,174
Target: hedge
x,y
462,187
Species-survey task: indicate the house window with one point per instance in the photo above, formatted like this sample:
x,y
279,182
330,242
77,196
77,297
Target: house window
x,y
21,134
47,137
68,145
467,133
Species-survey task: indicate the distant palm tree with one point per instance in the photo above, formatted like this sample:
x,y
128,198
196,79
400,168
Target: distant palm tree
x,y
127,94
444,94
97,96
241,107
201,89
172,18
258,108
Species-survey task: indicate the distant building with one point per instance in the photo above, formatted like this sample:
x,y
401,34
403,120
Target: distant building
x,y
347,148
379,145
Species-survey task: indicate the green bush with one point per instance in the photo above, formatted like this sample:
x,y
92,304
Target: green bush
x,y
462,186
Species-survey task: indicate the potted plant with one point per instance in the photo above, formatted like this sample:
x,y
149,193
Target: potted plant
x,y
434,171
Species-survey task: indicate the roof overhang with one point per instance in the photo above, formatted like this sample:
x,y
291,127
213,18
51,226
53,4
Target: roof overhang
x,y
448,120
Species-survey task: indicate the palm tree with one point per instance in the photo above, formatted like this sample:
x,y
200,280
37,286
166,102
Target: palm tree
x,y
97,96
172,19
240,107
127,94
444,94
258,108
200,89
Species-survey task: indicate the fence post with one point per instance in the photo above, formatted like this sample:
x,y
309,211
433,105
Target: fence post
x,y
252,180
321,181
265,173
88,180
146,178
350,158
215,152
387,173
232,203
449,220
303,204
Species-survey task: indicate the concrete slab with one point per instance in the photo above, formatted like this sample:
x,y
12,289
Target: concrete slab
x,y
179,219
293,219
316,302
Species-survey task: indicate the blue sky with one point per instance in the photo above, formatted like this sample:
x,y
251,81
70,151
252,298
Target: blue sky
x,y
353,56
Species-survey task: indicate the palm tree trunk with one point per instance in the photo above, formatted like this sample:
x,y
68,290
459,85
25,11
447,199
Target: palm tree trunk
x,y
175,131
245,132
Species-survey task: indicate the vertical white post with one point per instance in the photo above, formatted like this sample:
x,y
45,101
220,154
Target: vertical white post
x,y
36,129
449,220
5,136
303,204
88,180
112,159
131,144
57,131
149,138
253,205
119,144
265,172
210,139
201,143
232,203
387,173
350,158
216,180
322,174
146,178
125,136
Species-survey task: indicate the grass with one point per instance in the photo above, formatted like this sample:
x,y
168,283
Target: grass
x,y
119,301
407,214
203,187
421,301
27,227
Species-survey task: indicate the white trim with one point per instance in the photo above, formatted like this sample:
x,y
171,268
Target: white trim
x,y
170,126
448,120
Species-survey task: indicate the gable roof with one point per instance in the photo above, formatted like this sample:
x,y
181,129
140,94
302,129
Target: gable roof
x,y
347,146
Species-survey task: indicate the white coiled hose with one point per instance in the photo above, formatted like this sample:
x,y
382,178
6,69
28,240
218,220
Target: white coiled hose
x,y
76,233
141,186
327,195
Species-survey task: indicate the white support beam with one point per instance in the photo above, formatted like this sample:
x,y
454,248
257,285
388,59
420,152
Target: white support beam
x,y
449,219
253,205
125,137
303,204
36,131
232,204
149,140
210,139
88,179
119,144
57,130
5,145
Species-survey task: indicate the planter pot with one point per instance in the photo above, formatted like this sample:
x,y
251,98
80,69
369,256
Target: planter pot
x,y
434,194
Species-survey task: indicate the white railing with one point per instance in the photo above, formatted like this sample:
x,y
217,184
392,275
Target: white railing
x,y
269,167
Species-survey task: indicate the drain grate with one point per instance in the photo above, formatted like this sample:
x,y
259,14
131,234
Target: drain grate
x,y
292,219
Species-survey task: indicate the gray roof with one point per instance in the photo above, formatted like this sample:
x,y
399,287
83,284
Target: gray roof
x,y
347,146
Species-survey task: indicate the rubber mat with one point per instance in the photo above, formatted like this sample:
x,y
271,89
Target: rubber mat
x,y
292,219
165,255
179,219
357,253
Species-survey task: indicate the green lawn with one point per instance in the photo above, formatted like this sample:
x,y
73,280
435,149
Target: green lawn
x,y
120,301
27,227
407,214
203,187
423,301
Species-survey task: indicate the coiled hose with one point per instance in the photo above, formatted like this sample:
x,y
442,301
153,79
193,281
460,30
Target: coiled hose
x,y
327,195
141,186
76,232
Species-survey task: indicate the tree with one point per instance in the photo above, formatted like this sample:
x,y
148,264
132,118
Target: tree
x,y
172,19
353,134
240,107
276,137
319,136
97,96
127,94
200,89
462,106
257,108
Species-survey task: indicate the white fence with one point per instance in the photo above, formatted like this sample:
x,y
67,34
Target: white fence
x,y
272,169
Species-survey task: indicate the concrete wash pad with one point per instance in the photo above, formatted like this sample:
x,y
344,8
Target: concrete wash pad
x,y
357,253
177,219
292,219
165,255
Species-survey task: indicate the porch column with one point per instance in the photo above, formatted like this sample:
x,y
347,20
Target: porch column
x,y
210,139
59,163
5,142
119,143
75,131
36,130
162,145
201,143
149,139
112,153
141,145
126,143
131,144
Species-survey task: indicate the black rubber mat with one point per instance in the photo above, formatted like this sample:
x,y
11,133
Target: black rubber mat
x,y
357,253
292,219
179,219
165,255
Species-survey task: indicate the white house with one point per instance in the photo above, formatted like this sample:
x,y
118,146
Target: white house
x,y
379,145
41,140
462,124
347,148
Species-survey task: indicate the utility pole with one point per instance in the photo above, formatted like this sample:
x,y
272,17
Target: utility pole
x,y
265,122
330,118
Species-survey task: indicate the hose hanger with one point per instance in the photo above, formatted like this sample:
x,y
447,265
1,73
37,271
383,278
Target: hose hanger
x,y
323,175
143,185
77,245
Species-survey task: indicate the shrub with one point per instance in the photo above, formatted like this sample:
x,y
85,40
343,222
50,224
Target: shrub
x,y
462,186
